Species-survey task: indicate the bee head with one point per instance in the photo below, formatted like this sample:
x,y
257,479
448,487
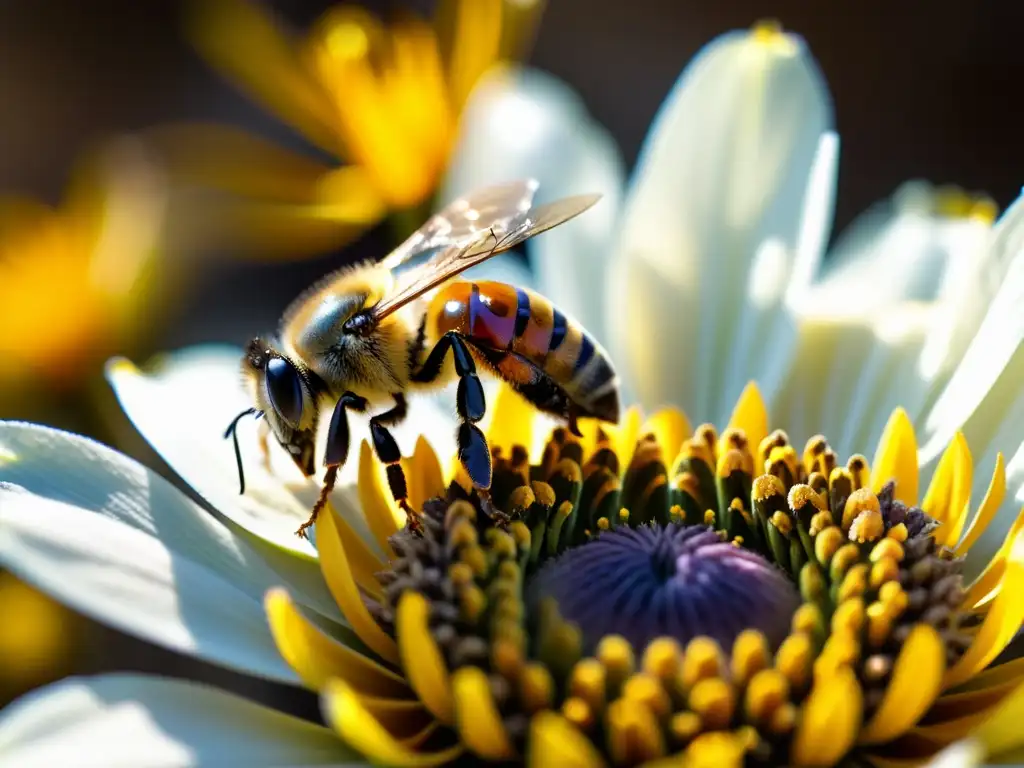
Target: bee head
x,y
284,393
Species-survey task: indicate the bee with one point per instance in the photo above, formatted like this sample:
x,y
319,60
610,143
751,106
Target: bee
x,y
367,335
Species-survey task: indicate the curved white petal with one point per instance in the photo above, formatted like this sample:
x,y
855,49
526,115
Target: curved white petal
x,y
130,580
182,408
81,472
736,158
135,721
525,123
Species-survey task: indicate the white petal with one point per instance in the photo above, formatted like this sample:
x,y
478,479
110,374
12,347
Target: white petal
x,y
81,472
135,721
734,159
130,580
525,123
182,409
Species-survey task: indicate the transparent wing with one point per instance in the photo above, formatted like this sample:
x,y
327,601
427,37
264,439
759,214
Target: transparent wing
x,y
499,237
462,221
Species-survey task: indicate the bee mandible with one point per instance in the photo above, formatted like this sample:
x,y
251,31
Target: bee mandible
x,y
367,334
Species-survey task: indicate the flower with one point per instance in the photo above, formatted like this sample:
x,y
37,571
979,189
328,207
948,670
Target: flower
x,y
74,281
381,101
625,605
715,248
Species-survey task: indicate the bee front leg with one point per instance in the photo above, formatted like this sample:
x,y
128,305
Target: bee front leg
x,y
335,453
473,451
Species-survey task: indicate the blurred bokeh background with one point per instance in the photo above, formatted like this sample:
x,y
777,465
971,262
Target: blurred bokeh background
x,y
921,90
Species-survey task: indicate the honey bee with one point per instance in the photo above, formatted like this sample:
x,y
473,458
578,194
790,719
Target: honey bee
x,y
366,335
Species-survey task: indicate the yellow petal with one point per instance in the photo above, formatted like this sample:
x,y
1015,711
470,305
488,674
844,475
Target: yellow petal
x,y
555,743
345,713
912,689
750,415
511,422
423,474
421,658
983,588
978,695
989,506
243,41
472,31
477,717
317,658
338,575
1001,623
949,493
625,435
1001,732
362,562
829,720
670,426
379,508
896,458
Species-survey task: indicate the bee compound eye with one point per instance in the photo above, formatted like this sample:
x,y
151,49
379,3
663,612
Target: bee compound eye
x,y
360,323
284,390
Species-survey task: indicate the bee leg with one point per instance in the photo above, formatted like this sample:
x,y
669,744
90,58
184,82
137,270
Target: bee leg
x,y
388,453
473,451
335,453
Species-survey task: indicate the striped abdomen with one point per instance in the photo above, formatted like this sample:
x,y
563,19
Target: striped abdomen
x,y
549,358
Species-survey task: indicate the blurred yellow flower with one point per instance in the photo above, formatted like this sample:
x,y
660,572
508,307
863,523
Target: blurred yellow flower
x,y
72,279
382,101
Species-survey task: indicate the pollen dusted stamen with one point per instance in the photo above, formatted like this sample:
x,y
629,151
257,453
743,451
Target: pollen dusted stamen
x,y
690,604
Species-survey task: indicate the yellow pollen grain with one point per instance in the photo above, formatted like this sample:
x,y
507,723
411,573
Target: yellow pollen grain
x,y
647,691
842,560
893,597
460,574
623,516
522,498
662,658
475,558
819,522
768,690
794,657
702,659
807,619
879,624
587,683
898,533
887,548
849,616
776,439
854,583
827,543
749,656
812,583
782,521
616,655
766,486
867,526
544,493
729,462
472,603
536,688
883,570
801,495
603,524
521,533
462,534
633,734
676,514
860,500
684,726
506,657
501,544
578,713
814,447
714,702
783,719
784,456
709,517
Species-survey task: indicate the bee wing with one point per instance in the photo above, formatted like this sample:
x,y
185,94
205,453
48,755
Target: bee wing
x,y
501,236
462,221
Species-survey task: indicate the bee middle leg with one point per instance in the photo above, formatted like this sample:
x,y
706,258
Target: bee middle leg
x,y
473,451
336,451
388,453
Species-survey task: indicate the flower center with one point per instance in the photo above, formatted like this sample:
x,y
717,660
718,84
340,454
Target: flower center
x,y
666,581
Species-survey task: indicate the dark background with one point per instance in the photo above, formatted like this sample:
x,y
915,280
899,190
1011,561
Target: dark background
x,y
921,89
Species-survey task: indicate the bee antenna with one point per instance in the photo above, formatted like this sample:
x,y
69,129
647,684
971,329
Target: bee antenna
x,y
232,432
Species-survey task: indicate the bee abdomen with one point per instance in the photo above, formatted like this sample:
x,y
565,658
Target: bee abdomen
x,y
537,338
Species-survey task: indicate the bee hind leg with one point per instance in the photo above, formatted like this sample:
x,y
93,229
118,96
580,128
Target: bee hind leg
x,y
336,452
473,451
